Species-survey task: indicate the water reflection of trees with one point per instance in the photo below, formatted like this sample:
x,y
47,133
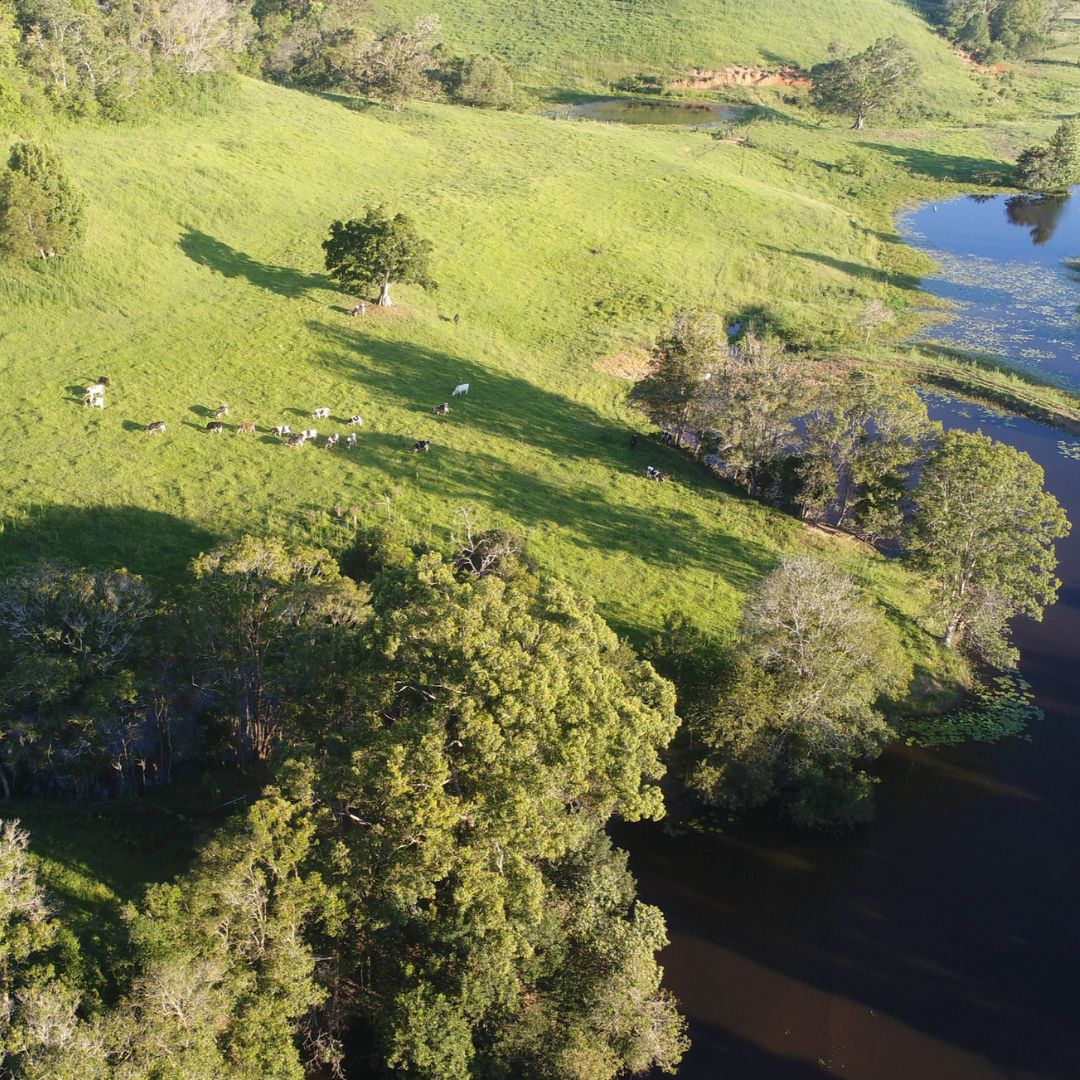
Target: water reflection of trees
x,y
1039,213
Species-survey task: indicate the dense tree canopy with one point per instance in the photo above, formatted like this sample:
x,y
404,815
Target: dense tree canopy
x,y
796,717
860,445
876,80
41,211
503,725
399,63
1054,166
984,529
376,251
993,29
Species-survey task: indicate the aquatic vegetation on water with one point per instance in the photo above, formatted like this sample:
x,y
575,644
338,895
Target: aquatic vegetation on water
x,y
999,709
1069,448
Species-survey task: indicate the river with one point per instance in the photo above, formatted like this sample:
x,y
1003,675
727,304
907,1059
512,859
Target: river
x,y
940,942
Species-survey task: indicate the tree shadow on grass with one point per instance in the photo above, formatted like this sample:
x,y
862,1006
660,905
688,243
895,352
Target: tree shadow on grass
x,y
592,512
218,256
148,542
960,168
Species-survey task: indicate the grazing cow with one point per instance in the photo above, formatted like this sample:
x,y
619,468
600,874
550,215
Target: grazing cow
x,y
443,409
220,411
350,442
654,474
421,445
215,427
667,438
246,428
356,421
103,380
282,430
633,440
331,440
320,414
155,428
461,388
359,309
309,433
295,440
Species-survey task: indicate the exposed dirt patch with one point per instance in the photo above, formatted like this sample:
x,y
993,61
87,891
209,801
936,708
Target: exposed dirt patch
x,y
628,364
702,79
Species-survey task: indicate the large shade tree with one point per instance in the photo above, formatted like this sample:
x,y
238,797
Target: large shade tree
x,y
376,251
874,81
984,529
500,726
41,211
796,717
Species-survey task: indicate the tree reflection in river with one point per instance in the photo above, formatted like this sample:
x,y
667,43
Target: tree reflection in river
x,y
1039,213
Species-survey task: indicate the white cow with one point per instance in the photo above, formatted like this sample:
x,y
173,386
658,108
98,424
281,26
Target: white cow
x,y
310,433
461,388
320,414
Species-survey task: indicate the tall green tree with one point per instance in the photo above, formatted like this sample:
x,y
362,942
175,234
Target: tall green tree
x,y
501,725
376,251
683,360
1054,166
264,622
876,80
400,62
41,211
68,662
858,449
796,718
983,528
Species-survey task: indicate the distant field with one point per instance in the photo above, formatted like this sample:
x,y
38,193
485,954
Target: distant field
x,y
560,243
557,43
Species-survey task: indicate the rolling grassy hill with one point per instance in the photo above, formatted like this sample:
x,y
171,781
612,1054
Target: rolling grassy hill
x,y
558,43
563,245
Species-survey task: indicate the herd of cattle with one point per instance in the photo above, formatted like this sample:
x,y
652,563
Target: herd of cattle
x,y
94,397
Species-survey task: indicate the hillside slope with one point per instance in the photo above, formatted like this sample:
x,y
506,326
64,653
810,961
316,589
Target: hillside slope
x,y
560,243
556,43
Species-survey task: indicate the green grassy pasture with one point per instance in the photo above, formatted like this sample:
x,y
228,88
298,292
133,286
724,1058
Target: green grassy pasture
x,y
562,43
561,243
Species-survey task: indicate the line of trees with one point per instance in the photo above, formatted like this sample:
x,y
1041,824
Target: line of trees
x,y
862,454
125,61
429,870
992,30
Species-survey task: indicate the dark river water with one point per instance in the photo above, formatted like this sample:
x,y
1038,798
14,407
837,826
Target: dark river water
x,y
940,942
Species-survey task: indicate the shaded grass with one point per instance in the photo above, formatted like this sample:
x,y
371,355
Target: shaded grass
x,y
559,242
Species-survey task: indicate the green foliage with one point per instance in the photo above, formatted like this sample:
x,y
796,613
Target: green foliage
x,y
264,622
857,452
483,82
1052,167
998,709
992,29
796,717
41,211
874,81
377,250
501,725
683,360
984,530
400,63
68,698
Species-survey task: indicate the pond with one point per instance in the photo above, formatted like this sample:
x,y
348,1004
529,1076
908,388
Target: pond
x,y
1004,261
941,942
695,114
